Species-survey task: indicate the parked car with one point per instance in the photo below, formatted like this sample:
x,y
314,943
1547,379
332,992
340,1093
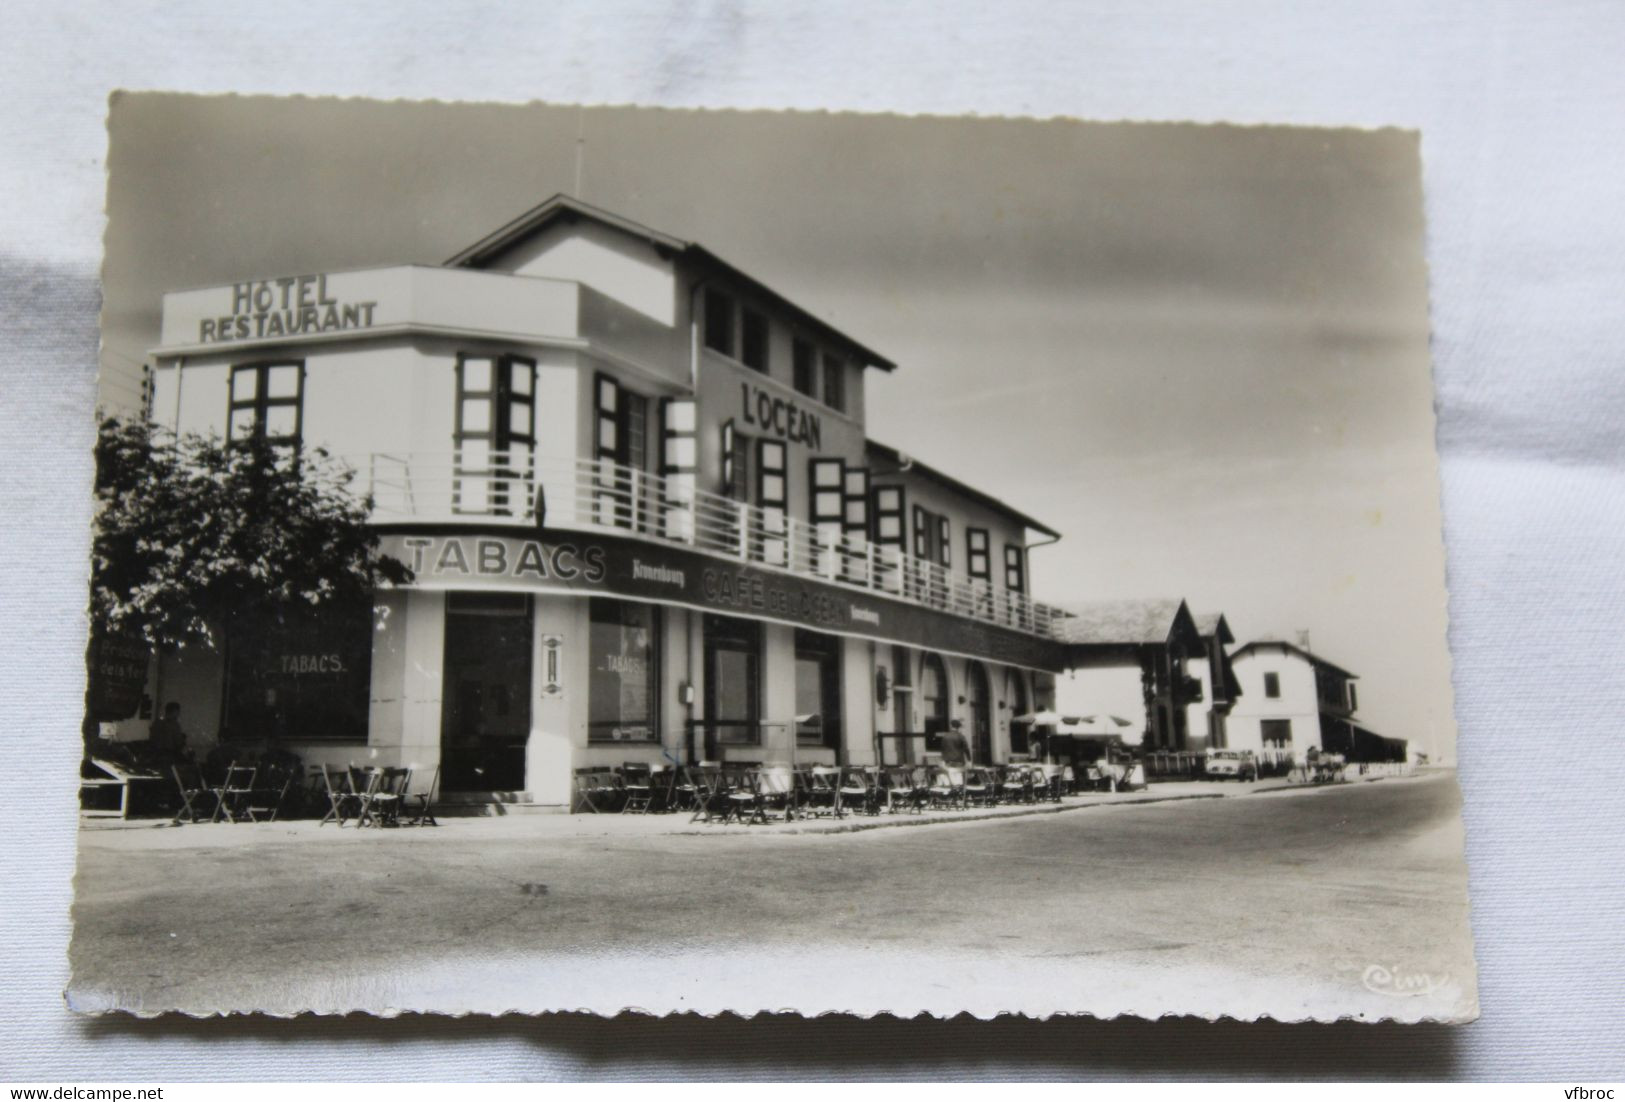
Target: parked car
x,y
1240,764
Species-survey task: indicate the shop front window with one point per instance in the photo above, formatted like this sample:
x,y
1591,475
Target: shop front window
x,y
818,690
623,685
733,662
301,674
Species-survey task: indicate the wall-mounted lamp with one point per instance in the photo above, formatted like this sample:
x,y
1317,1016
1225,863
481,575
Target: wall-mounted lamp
x,y
882,687
685,693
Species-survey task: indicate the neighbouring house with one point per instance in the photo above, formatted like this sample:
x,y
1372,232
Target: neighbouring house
x,y
1207,714
1293,701
1134,658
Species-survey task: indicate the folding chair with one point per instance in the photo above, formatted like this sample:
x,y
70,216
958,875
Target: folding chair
x,y
234,792
422,815
342,800
853,791
772,788
189,782
947,786
637,785
383,804
270,790
710,792
820,789
597,789
906,788
978,787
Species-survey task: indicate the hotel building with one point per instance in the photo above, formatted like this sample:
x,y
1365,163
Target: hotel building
x,y
644,515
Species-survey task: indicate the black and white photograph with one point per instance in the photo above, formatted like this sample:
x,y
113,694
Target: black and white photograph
x,y
596,558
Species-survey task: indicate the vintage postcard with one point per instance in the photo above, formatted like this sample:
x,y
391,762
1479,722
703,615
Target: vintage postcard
x,y
559,558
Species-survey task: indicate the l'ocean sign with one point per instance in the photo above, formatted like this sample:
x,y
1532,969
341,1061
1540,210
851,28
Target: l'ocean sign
x,y
616,566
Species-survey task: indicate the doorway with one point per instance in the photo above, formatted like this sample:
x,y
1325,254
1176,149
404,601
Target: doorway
x,y
981,714
485,701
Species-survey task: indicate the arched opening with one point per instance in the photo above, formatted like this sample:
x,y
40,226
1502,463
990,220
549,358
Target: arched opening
x,y
1015,698
933,694
978,700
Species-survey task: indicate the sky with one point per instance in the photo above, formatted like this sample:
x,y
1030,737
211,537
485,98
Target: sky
x,y
1199,352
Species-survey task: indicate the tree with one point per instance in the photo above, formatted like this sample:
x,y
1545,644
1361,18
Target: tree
x,y
196,536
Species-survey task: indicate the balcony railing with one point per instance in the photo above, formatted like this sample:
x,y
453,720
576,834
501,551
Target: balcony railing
x,y
479,487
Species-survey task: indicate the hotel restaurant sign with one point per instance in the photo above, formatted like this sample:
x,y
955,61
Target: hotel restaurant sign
x,y
615,566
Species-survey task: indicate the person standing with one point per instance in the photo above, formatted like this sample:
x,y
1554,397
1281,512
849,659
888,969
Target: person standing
x,y
955,746
166,738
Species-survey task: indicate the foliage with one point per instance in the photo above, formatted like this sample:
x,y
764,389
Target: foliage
x,y
194,535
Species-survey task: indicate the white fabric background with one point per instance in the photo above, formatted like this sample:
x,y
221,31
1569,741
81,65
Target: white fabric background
x,y
1520,106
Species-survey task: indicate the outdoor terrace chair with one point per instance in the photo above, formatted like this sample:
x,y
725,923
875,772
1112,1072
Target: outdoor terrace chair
x,y
1016,784
859,790
234,793
637,786
342,800
189,783
270,792
597,789
947,786
906,788
772,789
820,787
979,787
419,804
710,792
382,806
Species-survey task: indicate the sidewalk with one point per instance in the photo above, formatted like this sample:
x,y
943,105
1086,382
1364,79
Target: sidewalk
x,y
159,834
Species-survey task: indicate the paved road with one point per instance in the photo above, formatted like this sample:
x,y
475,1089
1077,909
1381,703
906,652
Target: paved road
x,y
1350,900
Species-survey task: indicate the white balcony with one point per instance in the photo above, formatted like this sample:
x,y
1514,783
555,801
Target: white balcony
x,y
503,489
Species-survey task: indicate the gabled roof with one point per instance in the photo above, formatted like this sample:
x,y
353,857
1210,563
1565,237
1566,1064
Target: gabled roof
x,y
1288,648
562,207
1149,622
1209,624
888,454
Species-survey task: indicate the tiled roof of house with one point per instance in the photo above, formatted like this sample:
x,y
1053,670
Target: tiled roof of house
x,y
1119,622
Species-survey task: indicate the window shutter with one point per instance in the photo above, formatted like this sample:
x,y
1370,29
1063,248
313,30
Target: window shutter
x,y
612,505
891,536
772,495
855,522
678,463
828,477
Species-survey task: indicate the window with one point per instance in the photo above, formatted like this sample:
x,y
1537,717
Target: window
x,y
1272,686
495,431
677,467
1015,568
624,679
753,341
804,368
818,690
772,496
855,520
1276,733
302,674
719,322
835,383
1015,697
945,545
933,700
828,478
1354,700
978,562
267,402
902,687
735,463
733,657
891,534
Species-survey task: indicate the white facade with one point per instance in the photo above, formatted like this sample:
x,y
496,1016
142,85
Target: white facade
x,y
1296,702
